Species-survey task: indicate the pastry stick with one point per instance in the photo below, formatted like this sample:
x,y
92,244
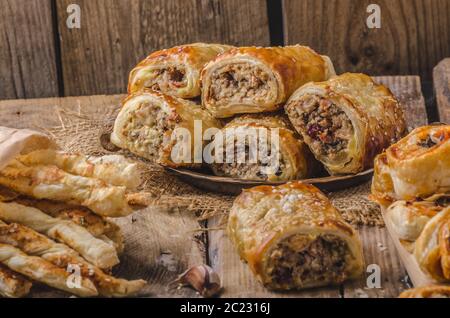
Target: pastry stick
x,y
13,285
50,182
43,271
91,248
113,169
98,226
35,244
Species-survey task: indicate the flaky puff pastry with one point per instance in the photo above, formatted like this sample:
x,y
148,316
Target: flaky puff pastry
x,y
432,291
278,153
258,79
410,217
292,237
50,182
34,244
174,71
13,285
113,169
151,125
346,121
416,166
432,248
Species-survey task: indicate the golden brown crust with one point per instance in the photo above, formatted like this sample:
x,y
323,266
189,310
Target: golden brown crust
x,y
178,114
13,285
432,291
35,244
188,59
263,216
288,67
374,113
416,166
432,248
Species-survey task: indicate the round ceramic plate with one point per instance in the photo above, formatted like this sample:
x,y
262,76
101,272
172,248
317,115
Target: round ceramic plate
x,y
234,186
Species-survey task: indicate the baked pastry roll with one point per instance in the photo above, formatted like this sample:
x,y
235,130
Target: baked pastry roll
x,y
50,182
151,125
346,121
292,237
261,147
13,285
416,166
44,272
94,250
112,169
259,79
100,227
35,244
410,217
432,291
432,248
174,71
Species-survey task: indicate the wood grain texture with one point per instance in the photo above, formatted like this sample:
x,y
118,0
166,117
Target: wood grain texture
x,y
160,243
27,50
378,247
116,34
441,82
413,38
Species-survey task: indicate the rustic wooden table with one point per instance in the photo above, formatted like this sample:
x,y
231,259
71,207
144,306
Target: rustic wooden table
x,y
163,233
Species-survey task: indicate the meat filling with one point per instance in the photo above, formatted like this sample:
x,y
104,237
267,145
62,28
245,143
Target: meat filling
x,y
249,169
327,126
238,83
146,130
297,261
166,79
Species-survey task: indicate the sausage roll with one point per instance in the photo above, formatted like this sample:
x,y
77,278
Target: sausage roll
x,y
112,169
44,272
53,183
263,147
258,79
346,121
410,217
416,166
35,244
13,285
432,291
432,248
151,125
174,71
94,250
292,237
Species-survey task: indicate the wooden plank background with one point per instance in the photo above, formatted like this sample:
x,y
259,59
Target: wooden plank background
x,y
40,56
441,81
27,50
414,34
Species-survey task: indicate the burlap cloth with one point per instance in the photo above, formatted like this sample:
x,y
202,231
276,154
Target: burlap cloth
x,y
84,134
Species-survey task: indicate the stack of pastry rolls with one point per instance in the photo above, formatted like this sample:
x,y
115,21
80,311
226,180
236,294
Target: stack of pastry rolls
x,y
57,224
343,122
412,181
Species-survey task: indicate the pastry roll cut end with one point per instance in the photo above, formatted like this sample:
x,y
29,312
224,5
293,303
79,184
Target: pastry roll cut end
x,y
346,121
293,238
257,79
174,71
272,151
149,122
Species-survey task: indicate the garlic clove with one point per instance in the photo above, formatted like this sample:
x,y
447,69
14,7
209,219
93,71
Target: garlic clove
x,y
203,279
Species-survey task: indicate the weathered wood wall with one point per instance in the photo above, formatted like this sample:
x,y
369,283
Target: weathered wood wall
x,y
414,34
40,56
